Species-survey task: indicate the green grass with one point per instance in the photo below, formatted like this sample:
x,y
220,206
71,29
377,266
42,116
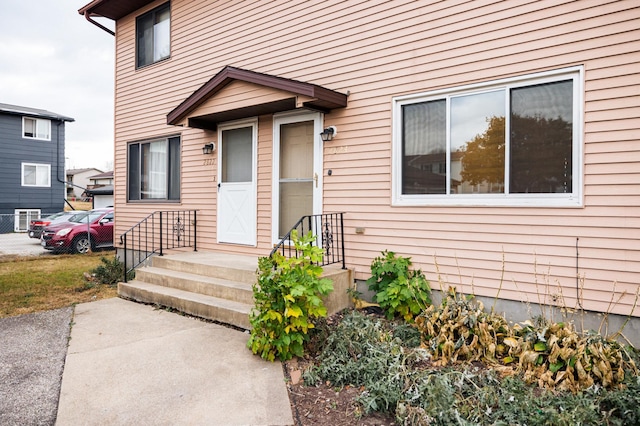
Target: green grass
x,y
33,284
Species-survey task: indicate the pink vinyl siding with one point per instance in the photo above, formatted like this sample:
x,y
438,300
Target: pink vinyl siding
x,y
377,50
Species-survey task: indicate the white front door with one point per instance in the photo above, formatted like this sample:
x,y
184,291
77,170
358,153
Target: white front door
x,y
297,184
237,213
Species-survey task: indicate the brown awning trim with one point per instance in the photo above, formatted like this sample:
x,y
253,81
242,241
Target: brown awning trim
x,y
322,99
112,9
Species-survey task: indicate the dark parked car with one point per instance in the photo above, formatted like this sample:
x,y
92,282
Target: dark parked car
x,y
37,225
71,236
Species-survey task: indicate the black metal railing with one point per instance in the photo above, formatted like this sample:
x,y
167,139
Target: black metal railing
x,y
329,231
161,230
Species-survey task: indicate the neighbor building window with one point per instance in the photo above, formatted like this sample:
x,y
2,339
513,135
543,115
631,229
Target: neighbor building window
x,y
23,217
36,174
509,142
153,36
154,170
36,128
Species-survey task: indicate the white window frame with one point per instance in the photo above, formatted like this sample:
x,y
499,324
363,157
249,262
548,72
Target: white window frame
x,y
38,167
39,123
572,199
31,215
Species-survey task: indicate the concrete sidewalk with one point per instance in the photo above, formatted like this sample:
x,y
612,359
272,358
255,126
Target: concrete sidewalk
x,y
131,364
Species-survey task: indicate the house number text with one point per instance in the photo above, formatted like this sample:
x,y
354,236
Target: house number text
x,y
209,162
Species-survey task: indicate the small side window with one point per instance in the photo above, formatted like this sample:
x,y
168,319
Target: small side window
x,y
38,175
153,36
36,128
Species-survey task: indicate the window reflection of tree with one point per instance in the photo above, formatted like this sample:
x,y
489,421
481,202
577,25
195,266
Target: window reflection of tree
x,y
541,151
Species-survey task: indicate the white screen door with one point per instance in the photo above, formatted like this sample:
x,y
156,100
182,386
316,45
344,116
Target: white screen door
x,y
236,185
298,162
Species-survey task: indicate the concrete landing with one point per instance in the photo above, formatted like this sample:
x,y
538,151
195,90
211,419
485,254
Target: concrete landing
x,y
129,363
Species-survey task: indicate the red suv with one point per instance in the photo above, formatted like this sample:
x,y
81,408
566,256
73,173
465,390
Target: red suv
x,y
37,225
83,231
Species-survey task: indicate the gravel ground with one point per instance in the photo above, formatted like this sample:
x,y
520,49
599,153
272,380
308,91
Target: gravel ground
x,y
33,349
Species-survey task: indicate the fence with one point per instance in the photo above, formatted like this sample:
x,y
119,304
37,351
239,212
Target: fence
x,y
17,222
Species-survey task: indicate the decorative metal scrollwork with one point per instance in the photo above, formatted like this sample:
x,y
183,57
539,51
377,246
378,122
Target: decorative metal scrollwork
x,y
327,239
178,229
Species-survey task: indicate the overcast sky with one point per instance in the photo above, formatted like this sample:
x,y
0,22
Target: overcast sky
x,y
51,58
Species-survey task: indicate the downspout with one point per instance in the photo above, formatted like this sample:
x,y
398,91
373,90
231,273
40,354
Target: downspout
x,y
87,16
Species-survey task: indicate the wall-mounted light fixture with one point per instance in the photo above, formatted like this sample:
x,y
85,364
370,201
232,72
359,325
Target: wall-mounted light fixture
x,y
209,148
328,133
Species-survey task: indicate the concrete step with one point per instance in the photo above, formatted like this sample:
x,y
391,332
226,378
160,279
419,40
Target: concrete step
x,y
215,286
200,305
231,267
197,283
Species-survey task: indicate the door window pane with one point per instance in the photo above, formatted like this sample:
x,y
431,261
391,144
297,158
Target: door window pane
x,y
237,155
296,150
296,173
542,138
296,201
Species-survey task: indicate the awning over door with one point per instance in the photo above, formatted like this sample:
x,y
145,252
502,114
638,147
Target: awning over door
x,y
236,93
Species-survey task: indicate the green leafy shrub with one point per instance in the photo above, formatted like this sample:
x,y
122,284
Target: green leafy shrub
x,y
399,291
362,351
110,271
287,300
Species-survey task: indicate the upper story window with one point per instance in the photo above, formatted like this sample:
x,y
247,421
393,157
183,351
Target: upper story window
x,y
36,128
153,170
153,36
36,174
514,142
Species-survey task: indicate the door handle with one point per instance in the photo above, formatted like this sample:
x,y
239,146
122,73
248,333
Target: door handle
x,y
315,178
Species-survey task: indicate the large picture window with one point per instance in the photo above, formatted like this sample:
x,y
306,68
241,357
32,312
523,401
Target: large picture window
x,y
154,170
153,36
511,142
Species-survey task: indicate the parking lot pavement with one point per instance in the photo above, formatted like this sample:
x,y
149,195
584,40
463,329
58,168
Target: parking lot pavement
x,y
20,244
32,355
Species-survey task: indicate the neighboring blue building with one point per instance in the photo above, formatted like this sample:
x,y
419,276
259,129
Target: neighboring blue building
x,y
32,170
